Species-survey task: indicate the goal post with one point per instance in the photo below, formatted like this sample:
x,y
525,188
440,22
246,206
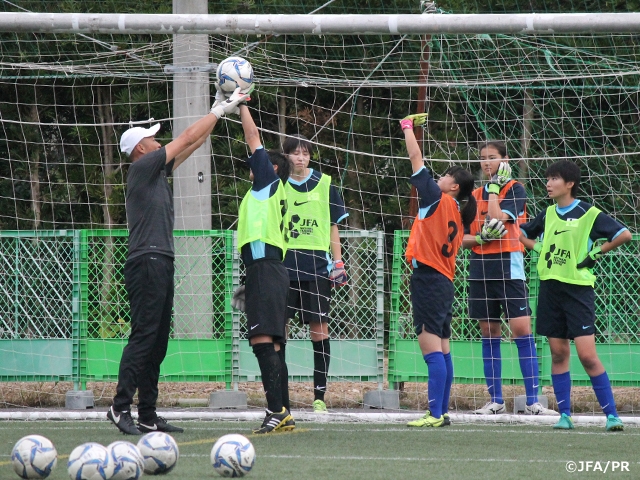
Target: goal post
x,y
552,86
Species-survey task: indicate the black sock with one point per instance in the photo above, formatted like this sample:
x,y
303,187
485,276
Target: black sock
x,y
321,356
270,370
284,377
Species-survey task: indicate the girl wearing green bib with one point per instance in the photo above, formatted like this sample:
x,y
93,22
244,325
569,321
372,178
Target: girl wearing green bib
x,y
566,232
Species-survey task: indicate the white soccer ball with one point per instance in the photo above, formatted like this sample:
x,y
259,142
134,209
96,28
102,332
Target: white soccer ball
x,y
234,72
159,451
233,455
128,463
90,461
34,456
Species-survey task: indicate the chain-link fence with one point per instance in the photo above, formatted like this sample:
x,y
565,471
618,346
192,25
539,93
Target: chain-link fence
x,y
36,290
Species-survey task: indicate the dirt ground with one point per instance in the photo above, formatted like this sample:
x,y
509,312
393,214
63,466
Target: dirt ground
x,y
413,396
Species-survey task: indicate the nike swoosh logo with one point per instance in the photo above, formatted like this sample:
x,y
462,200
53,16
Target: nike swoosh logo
x,y
297,204
523,308
584,328
559,232
154,427
115,417
253,326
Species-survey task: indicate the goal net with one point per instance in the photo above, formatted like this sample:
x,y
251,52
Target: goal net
x,y
65,99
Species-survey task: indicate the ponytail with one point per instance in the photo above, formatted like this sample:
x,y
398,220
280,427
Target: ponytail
x,y
466,184
284,166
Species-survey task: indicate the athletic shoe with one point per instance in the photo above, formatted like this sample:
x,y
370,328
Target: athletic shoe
x,y
319,407
491,408
614,424
565,423
538,409
158,425
123,421
274,422
446,423
427,421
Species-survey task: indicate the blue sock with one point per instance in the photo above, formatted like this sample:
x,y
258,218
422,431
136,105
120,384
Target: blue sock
x,y
492,360
447,384
529,366
437,377
562,388
604,394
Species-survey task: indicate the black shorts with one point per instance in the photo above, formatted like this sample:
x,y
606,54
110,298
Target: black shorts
x,y
432,302
310,300
486,297
565,310
266,292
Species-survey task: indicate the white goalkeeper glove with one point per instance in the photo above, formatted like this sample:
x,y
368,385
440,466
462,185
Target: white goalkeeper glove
x,y
230,105
493,229
237,301
500,179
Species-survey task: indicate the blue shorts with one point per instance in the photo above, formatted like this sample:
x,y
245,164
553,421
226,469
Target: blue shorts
x,y
565,310
432,301
487,297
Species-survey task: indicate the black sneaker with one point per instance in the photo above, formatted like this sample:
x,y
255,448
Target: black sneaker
x,y
123,421
158,425
274,422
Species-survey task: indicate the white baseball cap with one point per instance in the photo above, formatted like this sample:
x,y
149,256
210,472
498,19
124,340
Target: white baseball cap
x,y
132,137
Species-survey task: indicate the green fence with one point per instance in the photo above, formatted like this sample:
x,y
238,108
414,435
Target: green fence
x,y
617,324
64,313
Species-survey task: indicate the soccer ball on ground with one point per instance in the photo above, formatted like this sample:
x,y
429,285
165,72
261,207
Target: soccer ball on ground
x,y
234,72
128,463
233,455
90,461
159,451
34,456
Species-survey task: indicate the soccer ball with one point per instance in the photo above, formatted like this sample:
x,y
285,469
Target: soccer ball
x,y
234,72
127,461
34,456
159,451
90,461
233,455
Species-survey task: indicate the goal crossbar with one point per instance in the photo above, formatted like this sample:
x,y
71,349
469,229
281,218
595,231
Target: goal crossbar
x,y
113,23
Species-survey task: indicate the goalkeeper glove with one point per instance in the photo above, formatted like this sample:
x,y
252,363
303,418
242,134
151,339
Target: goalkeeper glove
x,y
230,105
338,275
493,229
500,179
590,259
413,120
237,301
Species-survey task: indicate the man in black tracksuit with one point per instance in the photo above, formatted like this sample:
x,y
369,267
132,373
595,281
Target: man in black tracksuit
x,y
149,268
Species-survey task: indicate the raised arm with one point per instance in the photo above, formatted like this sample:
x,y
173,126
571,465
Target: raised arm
x,y
196,134
251,133
413,149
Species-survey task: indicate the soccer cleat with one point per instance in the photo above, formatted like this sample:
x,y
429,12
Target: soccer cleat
x,y
447,420
491,408
274,422
158,425
428,421
538,409
565,423
288,425
614,424
123,421
319,407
